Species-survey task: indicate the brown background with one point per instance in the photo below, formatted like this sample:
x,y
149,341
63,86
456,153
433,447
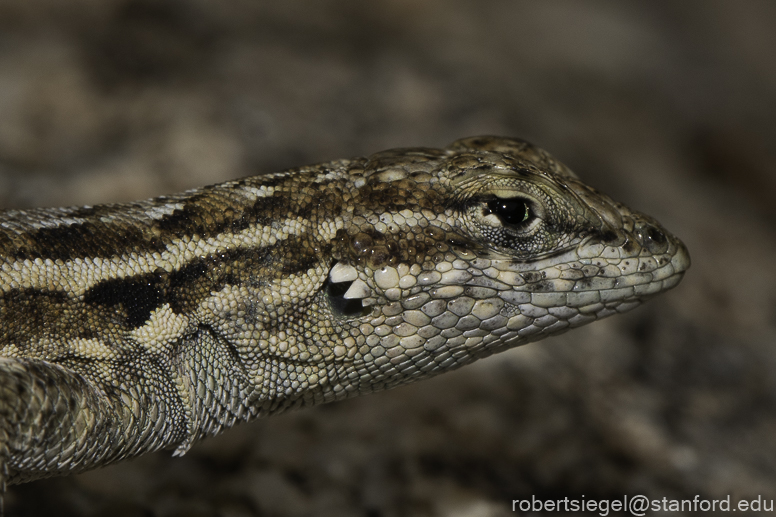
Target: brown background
x,y
667,106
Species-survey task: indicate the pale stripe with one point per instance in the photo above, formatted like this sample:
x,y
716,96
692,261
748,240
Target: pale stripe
x,y
78,275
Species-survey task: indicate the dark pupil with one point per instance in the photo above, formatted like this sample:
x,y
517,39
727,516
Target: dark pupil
x,y
510,211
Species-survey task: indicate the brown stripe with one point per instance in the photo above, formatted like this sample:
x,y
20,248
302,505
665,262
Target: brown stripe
x,y
88,239
207,213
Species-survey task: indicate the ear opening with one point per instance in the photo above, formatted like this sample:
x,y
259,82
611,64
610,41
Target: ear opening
x,y
346,292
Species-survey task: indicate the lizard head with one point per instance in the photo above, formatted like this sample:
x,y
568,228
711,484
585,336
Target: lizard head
x,y
457,253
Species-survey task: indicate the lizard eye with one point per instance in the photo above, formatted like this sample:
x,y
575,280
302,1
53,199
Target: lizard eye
x,y
513,220
513,211
516,214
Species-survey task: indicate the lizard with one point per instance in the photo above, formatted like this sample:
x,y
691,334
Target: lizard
x,y
128,328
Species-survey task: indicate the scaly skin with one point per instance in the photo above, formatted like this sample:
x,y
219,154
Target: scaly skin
x,y
129,328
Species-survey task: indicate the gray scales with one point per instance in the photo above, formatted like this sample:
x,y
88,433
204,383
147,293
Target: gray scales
x,y
131,328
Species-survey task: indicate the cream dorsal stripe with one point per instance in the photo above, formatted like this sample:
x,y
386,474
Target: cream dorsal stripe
x,y
130,328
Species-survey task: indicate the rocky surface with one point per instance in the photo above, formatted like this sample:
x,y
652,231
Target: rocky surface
x,y
667,106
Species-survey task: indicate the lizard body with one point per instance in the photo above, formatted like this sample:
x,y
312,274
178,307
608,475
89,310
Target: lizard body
x,y
130,328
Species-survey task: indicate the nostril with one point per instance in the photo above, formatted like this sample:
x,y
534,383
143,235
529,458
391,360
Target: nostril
x,y
652,238
656,235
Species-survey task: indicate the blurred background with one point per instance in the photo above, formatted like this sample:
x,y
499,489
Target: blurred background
x,y
669,107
